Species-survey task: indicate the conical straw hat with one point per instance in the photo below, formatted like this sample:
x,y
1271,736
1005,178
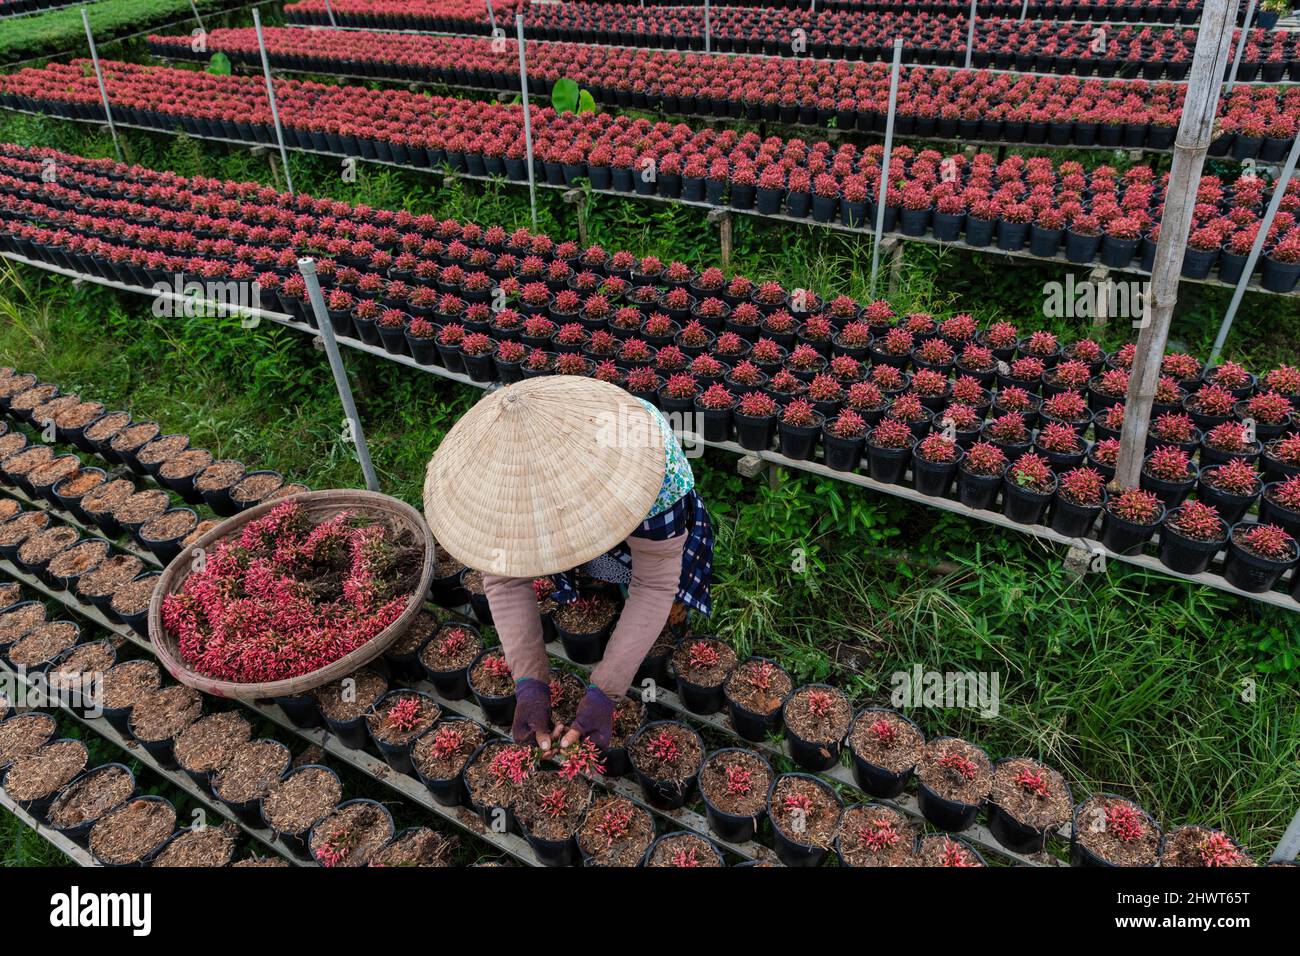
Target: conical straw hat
x,y
543,475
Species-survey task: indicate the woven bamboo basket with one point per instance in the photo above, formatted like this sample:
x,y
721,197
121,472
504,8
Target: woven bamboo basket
x,y
319,505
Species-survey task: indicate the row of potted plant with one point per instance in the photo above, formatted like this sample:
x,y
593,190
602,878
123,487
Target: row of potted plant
x,y
1018,204
1256,121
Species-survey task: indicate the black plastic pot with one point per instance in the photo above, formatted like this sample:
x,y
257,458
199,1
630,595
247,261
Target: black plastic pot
x,y
875,780
1251,572
650,850
1024,505
977,491
301,709
449,792
1072,519
1126,537
498,710
951,816
1080,855
398,756
934,478
1231,508
888,465
790,850
1273,513
1016,836
1171,493
749,724
392,827
1188,555
452,685
797,442
144,856
79,833
665,794
811,754
552,852
754,434
729,827
295,842
250,811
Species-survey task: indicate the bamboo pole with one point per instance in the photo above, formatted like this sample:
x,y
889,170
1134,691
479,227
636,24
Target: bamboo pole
x,y
103,89
1196,127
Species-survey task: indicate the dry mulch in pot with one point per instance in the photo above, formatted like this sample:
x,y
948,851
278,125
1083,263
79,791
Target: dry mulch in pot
x,y
8,508
15,383
351,835
32,397
876,836
54,471
50,411
350,697
940,850
256,487
134,436
11,592
451,649
443,752
1031,793
804,811
128,682
44,545
567,691
615,832
200,529
42,643
112,574
683,850
703,660
758,686
108,496
79,415
550,806
142,506
78,559
107,426
24,734
170,525
208,846
161,449
134,596
819,714
10,444
421,847
126,833
669,751
444,564
296,803
1117,830
473,582
736,782
14,624
219,475
82,668
425,623
163,713
395,722
90,797
41,773
189,462
17,530
629,715
499,773
489,683
1193,846
251,770
284,491
261,861
956,770
587,615
28,461
209,743
80,484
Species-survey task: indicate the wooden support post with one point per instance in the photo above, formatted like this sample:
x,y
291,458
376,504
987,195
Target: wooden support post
x,y
578,199
892,247
1100,279
723,219
1200,106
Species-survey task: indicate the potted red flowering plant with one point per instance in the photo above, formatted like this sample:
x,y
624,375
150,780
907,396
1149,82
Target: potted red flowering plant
x,y
1027,488
1258,555
714,408
842,439
1232,488
1129,519
1228,442
889,448
1191,536
934,463
979,476
798,428
1080,495
734,784
755,418
1169,472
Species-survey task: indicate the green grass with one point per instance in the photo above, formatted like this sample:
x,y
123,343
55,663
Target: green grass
x,y
1125,681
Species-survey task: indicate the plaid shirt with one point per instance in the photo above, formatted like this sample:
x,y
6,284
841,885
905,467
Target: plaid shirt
x,y
687,516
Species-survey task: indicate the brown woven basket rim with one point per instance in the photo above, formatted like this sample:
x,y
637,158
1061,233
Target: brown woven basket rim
x,y
334,500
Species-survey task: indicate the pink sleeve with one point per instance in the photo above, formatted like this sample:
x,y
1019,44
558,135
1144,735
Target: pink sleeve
x,y
519,625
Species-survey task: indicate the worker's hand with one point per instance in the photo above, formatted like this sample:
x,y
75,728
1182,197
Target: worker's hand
x,y
595,720
532,713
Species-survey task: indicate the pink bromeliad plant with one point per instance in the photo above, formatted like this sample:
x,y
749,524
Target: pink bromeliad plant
x,y
248,615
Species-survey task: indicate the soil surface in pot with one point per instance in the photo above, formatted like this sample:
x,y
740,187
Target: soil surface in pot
x,y
1197,846
587,615
759,686
85,664
615,832
683,850
90,797
42,642
78,559
251,770
451,649
445,565
24,735
703,661
667,752
425,623
127,833
267,862
107,427
296,803
736,782
80,484
54,471
956,770
394,722
18,530
804,811
876,836
134,596
442,753
629,715
79,415
354,833
350,697
487,780
256,487
1095,832
11,592
41,773
208,743
163,713
488,683
134,436
19,621
170,525
109,576
44,545
24,463
161,449
551,807
129,682
567,691
219,475
142,506
210,846
1031,793
939,850
10,444
200,529
819,714
107,497
422,847
473,582
187,463
886,740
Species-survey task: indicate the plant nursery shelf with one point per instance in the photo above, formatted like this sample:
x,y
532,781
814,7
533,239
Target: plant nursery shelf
x,y
1149,563
77,854
1022,255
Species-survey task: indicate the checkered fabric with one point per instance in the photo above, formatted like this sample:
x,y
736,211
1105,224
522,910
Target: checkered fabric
x,y
687,516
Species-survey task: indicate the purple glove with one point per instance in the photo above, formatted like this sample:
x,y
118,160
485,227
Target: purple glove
x,y
532,710
595,719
